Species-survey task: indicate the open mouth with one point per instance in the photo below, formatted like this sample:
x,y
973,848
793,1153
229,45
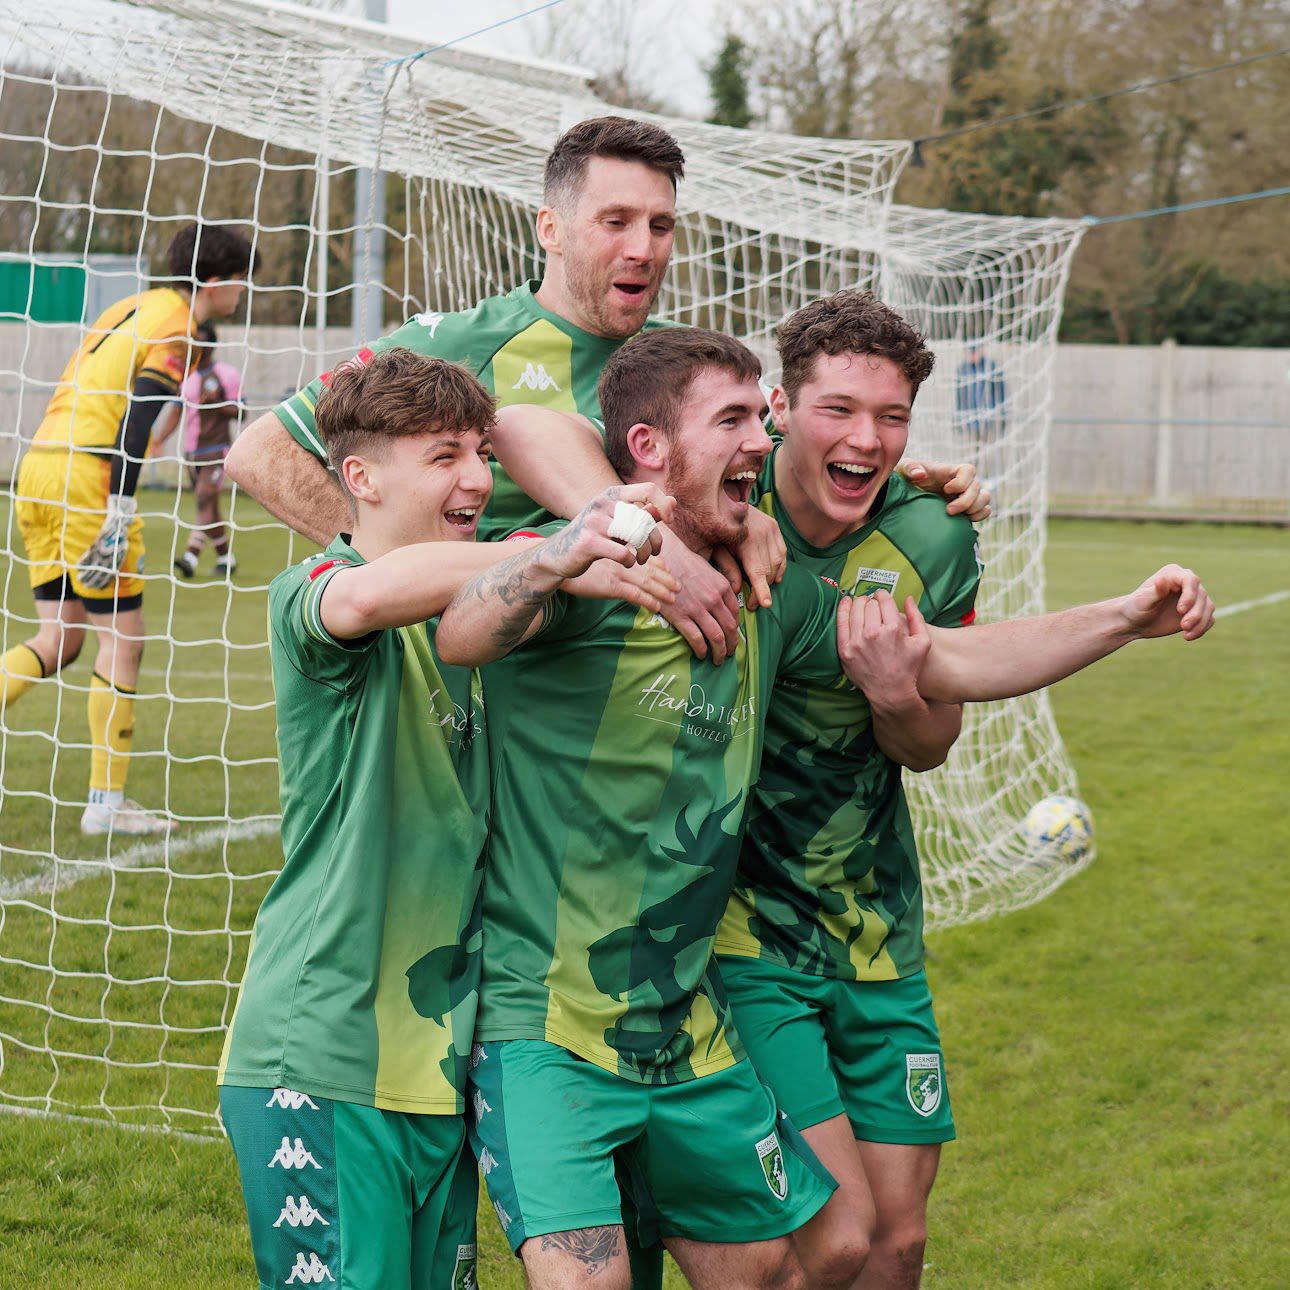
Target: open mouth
x,y
738,487
463,519
633,290
849,477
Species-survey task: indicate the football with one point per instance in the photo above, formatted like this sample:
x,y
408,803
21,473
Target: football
x,y
1058,828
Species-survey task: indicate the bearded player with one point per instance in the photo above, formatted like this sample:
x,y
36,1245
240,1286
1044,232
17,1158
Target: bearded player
x,y
623,767
343,1071
606,228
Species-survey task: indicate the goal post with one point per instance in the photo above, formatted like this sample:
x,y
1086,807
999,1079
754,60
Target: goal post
x,y
124,120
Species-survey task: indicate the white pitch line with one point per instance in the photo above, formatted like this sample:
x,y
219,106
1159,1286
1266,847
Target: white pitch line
x,y
68,872
1242,605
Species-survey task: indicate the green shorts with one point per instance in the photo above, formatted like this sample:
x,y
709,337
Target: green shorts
x,y
709,1159
869,1049
338,1193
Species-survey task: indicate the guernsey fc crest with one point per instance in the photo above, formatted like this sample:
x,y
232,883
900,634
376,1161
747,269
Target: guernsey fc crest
x,y
771,1155
923,1081
463,1273
867,581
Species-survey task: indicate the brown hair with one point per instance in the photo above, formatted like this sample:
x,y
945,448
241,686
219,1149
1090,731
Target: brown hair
x,y
647,380
376,397
849,322
607,136
203,251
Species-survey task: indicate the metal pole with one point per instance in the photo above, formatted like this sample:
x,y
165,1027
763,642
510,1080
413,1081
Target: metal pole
x,y
322,182
369,235
1164,427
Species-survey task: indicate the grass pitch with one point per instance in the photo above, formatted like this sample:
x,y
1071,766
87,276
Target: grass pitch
x,y
1115,1053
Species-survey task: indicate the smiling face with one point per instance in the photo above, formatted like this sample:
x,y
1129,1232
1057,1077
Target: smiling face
x,y
606,256
843,436
422,487
714,456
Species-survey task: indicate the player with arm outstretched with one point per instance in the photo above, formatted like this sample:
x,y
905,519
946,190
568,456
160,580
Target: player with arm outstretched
x,y
76,508
343,1070
619,799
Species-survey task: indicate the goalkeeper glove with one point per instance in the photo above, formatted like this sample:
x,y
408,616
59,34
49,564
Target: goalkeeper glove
x,y
98,567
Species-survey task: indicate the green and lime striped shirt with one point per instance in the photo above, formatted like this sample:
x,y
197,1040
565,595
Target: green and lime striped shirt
x,y
622,769
362,979
521,352
829,878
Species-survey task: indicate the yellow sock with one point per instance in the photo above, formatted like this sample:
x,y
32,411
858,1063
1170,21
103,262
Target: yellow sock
x,y
20,669
111,733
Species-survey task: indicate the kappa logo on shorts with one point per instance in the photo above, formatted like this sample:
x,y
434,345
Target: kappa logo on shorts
x,y
463,1271
300,1214
477,1053
481,1106
309,1272
293,1157
289,1100
923,1081
771,1155
487,1161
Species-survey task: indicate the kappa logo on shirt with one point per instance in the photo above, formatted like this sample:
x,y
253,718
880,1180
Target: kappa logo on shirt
x,y
289,1156
309,1272
535,377
300,1213
429,321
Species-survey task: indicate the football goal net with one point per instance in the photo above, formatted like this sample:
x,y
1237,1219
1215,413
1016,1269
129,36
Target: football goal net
x,y
376,183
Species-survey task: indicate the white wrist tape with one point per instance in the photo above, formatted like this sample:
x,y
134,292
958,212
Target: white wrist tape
x,y
631,525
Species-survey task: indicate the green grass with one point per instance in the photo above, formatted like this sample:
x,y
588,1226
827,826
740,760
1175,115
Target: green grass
x,y
1115,1052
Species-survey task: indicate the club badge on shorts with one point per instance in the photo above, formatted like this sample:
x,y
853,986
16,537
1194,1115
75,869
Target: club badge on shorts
x,y
923,1081
771,1155
463,1272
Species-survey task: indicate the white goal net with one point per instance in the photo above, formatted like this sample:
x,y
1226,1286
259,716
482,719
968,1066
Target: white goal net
x,y
120,122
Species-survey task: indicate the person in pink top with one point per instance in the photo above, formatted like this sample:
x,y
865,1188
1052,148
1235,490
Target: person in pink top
x,y
210,403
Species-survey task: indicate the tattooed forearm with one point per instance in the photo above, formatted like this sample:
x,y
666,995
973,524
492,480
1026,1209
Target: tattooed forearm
x,y
516,598
593,1247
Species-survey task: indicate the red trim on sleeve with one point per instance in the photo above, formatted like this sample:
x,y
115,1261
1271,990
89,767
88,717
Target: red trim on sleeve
x,y
361,359
969,618
323,567
521,533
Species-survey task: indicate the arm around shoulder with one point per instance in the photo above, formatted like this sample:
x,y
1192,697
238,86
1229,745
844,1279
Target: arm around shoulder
x,y
287,480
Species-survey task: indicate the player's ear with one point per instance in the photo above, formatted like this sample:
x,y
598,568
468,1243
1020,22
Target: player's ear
x,y
779,407
648,446
548,230
358,480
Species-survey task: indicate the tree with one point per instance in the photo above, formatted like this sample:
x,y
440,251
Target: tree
x,y
728,84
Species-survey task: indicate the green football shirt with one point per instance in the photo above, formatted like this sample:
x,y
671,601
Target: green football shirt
x,y
519,351
622,767
829,877
362,979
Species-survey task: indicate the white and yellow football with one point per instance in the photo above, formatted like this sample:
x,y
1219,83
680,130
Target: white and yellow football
x,y
1058,828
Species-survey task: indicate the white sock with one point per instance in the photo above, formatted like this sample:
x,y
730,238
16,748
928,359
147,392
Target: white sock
x,y
110,797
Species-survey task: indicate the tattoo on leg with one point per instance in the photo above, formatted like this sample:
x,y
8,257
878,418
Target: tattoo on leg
x,y
593,1247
